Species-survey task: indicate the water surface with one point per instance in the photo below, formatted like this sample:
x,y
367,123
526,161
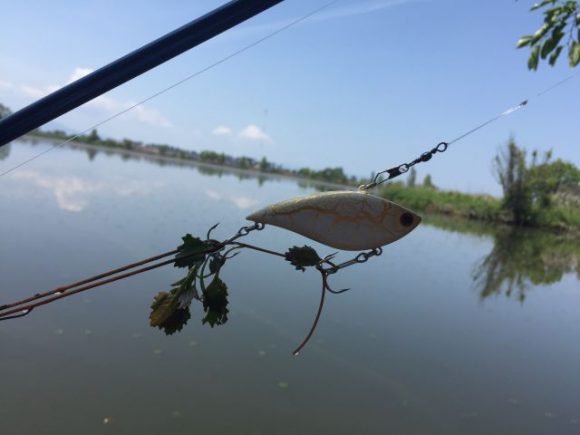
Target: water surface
x,y
456,329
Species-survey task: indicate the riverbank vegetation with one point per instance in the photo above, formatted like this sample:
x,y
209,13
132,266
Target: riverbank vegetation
x,y
328,175
537,192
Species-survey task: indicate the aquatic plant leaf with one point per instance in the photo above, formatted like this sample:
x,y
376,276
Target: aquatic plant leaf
x,y
176,321
302,257
190,246
161,309
216,263
184,298
166,313
215,303
185,288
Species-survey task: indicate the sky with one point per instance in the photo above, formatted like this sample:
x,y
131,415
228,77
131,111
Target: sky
x,y
364,84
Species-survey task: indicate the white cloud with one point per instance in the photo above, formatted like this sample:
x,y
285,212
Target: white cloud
x,y
222,130
72,194
253,132
240,201
6,85
243,202
212,194
79,73
103,103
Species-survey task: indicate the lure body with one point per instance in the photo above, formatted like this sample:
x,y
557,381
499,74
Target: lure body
x,y
350,221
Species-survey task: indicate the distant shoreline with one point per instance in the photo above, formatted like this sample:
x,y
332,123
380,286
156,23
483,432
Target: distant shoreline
x,y
189,162
484,208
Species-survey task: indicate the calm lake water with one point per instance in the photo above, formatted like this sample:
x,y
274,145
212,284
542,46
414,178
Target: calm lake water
x,y
455,329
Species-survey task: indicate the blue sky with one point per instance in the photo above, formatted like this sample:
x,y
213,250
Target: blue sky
x,y
366,84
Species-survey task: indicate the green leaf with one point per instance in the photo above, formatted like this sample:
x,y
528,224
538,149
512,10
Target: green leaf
x,y
534,58
166,314
176,321
524,40
215,264
215,303
547,47
574,54
553,41
542,4
550,44
162,307
554,55
190,246
302,257
541,32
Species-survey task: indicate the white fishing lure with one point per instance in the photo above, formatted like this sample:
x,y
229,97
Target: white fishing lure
x,y
351,221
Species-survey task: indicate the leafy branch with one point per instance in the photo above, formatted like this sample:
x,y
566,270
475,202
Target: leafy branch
x,y
204,260
170,311
561,18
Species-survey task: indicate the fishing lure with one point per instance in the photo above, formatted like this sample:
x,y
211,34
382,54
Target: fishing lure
x,y
345,220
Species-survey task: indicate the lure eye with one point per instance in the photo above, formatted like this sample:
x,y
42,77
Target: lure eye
x,y
406,219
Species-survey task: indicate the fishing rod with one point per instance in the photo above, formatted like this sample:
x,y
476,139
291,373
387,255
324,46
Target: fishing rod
x,y
130,66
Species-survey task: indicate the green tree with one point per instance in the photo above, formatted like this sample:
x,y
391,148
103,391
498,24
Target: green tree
x,y
428,182
4,111
5,151
93,137
560,29
412,179
549,178
264,165
510,169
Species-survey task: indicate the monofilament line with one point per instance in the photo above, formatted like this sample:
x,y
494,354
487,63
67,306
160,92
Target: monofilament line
x,y
401,169
513,109
176,84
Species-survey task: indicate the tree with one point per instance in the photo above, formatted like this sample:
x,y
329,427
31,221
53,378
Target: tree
x,y
561,18
510,169
549,178
4,111
5,151
428,182
264,165
93,137
412,179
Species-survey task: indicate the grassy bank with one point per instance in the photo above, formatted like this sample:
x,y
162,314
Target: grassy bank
x,y
478,207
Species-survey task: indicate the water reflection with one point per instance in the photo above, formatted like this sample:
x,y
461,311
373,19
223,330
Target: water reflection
x,y
208,169
523,258
520,259
5,151
72,193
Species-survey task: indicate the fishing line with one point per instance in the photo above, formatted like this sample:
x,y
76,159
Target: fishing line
x,y
442,146
176,84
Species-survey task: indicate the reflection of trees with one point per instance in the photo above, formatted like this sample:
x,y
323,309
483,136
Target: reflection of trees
x,y
5,151
91,153
203,169
305,183
210,170
243,176
521,257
